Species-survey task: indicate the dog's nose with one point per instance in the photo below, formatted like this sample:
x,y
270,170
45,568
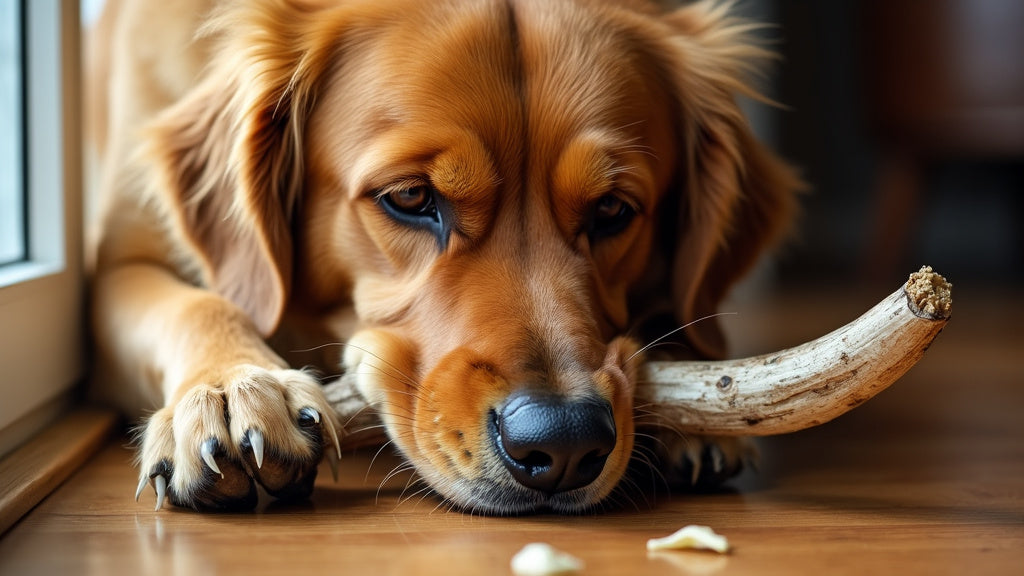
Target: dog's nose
x,y
554,444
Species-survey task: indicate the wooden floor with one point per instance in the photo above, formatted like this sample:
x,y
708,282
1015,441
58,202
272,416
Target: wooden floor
x,y
927,478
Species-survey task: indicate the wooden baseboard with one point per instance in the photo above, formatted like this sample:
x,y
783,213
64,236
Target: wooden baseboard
x,y
38,467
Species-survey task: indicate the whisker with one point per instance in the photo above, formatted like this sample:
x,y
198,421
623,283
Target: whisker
x,y
397,375
319,347
369,467
409,379
401,468
623,490
444,502
670,333
413,478
645,466
422,493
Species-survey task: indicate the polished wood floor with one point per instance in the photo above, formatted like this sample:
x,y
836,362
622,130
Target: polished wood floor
x,y
927,478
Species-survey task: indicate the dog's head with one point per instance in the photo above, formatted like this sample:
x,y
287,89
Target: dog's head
x,y
503,192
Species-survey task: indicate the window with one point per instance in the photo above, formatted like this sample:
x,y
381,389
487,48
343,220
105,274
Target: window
x,y
40,214
12,199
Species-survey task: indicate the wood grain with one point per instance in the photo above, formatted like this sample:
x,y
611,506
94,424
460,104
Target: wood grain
x,y
927,478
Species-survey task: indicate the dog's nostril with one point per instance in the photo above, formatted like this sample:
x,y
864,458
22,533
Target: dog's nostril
x,y
593,462
554,444
535,460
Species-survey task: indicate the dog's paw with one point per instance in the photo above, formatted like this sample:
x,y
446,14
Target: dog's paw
x,y
704,462
708,462
210,449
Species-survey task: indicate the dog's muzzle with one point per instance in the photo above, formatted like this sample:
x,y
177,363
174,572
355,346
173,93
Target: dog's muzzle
x,y
551,443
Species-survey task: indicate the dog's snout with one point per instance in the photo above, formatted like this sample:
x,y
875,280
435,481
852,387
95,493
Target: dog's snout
x,y
554,444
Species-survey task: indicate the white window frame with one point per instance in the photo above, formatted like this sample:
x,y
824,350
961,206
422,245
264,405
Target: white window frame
x,y
41,299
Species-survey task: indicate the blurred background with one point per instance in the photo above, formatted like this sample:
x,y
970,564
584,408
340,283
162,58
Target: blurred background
x,y
906,118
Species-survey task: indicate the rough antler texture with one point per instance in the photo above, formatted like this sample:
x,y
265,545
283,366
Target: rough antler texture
x,y
769,394
807,385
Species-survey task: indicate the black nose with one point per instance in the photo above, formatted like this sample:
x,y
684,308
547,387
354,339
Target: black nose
x,y
551,443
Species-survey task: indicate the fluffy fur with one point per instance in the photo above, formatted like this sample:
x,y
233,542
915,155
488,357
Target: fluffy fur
x,y
592,182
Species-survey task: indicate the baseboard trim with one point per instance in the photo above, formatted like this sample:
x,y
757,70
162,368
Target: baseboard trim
x,y
37,468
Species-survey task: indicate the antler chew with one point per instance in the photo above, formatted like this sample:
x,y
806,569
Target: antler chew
x,y
806,385
762,395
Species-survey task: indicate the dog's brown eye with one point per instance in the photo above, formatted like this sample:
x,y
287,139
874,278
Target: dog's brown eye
x,y
609,207
414,200
611,215
418,207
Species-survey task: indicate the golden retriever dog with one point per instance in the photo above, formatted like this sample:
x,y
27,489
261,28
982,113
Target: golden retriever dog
x,y
482,208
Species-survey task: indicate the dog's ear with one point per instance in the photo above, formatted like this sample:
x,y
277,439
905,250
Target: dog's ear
x,y
737,198
231,153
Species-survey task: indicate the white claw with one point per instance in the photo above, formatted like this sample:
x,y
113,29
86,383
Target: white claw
x,y
693,455
332,461
717,458
206,450
161,491
256,441
142,486
334,436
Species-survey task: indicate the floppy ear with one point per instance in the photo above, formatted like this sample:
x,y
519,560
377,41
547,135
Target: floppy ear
x,y
738,199
230,153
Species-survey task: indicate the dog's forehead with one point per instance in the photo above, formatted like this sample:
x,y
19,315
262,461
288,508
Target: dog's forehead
x,y
519,84
513,72
584,68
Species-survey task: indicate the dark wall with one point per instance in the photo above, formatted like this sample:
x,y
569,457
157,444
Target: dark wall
x,y
907,119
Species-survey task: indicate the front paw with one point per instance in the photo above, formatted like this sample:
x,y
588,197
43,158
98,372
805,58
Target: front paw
x,y
701,462
707,462
209,450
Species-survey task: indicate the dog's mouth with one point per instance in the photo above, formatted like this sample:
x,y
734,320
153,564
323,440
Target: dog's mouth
x,y
490,446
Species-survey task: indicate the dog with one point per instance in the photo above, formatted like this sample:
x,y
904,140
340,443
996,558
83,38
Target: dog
x,y
481,208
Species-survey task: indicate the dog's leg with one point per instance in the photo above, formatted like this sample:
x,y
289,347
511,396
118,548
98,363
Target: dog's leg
x,y
232,413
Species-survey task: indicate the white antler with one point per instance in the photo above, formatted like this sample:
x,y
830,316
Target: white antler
x,y
769,394
807,385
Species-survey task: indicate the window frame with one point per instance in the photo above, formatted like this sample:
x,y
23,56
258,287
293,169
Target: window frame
x,y
41,299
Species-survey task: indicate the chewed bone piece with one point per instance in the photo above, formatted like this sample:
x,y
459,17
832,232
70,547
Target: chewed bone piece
x,y
539,559
806,385
691,537
776,393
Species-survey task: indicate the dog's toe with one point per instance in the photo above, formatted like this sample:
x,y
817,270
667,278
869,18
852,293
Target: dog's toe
x,y
193,473
278,422
282,474
700,462
211,449
707,463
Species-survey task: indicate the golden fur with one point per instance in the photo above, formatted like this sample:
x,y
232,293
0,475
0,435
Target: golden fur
x,y
248,152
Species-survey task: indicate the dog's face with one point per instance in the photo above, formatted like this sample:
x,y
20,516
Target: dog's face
x,y
501,192
491,207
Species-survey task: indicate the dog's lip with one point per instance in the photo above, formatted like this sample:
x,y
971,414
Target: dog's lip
x,y
502,498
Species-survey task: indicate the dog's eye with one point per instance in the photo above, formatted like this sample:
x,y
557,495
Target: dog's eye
x,y
418,206
611,215
416,201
